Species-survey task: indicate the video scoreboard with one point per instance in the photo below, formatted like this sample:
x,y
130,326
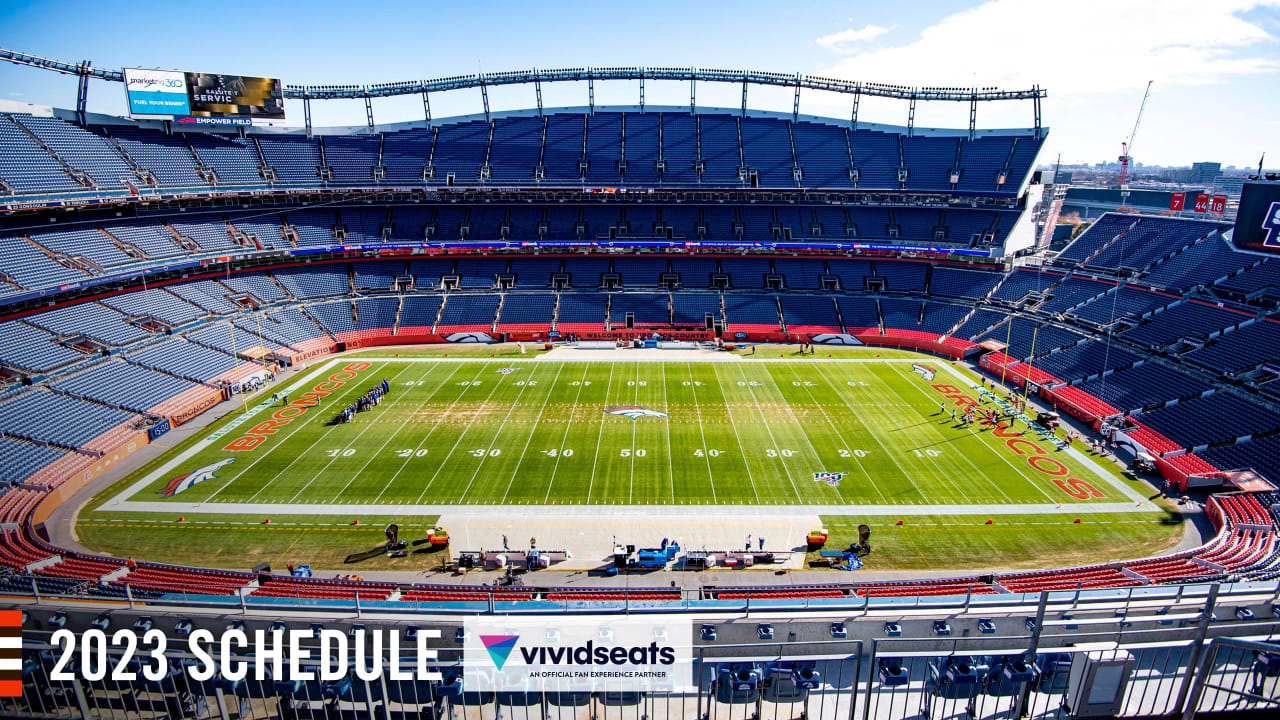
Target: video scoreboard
x,y
203,98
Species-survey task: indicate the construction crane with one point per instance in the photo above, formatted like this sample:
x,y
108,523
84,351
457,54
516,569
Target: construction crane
x,y
1127,146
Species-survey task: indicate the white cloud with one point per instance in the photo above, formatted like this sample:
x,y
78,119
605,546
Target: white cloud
x,y
1092,46
844,40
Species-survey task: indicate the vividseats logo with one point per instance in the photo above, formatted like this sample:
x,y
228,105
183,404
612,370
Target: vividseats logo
x,y
528,654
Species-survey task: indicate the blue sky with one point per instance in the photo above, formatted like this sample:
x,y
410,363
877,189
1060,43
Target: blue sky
x,y
1216,64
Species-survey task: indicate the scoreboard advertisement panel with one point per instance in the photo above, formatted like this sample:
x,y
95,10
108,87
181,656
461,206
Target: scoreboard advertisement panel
x,y
1258,219
168,94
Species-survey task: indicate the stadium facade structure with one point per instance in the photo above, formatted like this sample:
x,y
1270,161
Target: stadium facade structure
x,y
138,263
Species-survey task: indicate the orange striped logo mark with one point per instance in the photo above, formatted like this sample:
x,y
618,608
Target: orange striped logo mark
x,y
10,653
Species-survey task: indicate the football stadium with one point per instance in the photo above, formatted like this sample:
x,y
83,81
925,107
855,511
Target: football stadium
x,y
836,417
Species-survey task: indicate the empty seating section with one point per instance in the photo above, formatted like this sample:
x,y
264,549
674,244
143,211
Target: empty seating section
x,y
694,309
314,282
952,282
88,320
1026,338
1203,264
295,158
800,274
1144,386
234,160
1241,349
900,314
534,272
978,323
256,284
351,157
81,150
205,294
479,274
314,227
124,385
580,312
527,312
902,276
459,150
694,272
419,312
376,275
586,272
746,273
1191,319
153,240
766,147
31,349
156,303
27,167
27,266
1127,302
185,359
404,155
1211,419
87,243
516,145
751,312
1106,229
1071,292
19,460
166,156
232,340
640,271
762,146
1021,282
810,313
1085,360
209,233
59,419
1262,454
427,273
939,318
1262,281
336,317
628,309
1150,240
290,326
859,313
469,313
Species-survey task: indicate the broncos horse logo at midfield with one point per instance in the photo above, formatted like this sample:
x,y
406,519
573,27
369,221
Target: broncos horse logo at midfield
x,y
195,477
634,412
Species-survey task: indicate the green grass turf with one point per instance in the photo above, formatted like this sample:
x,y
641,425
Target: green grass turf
x,y
240,541
737,433
1012,542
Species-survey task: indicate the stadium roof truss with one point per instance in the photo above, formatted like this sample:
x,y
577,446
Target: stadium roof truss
x,y
307,93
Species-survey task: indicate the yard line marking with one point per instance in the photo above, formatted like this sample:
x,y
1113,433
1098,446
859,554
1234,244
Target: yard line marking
x,y
703,434
439,418
841,437
741,448
882,389
568,426
854,414
799,425
514,404
666,408
301,388
392,436
335,457
533,430
354,387
772,438
631,481
591,483
986,445
497,383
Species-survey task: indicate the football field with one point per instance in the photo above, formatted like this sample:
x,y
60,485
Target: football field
x,y
651,432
